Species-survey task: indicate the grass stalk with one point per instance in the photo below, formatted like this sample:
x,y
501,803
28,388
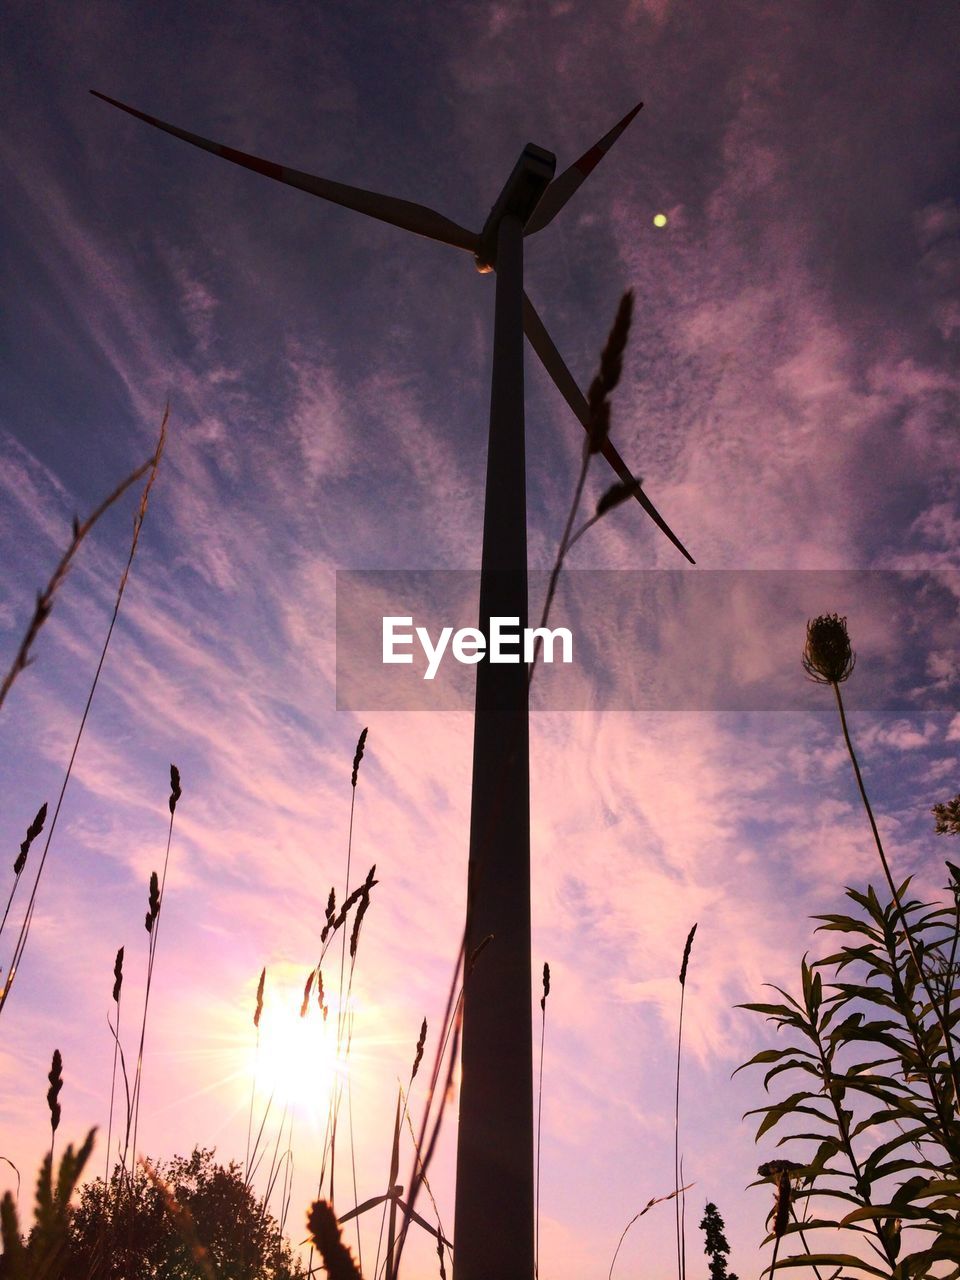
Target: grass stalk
x,y
257,1014
358,756
55,1077
598,402
330,1138
117,984
35,828
153,927
671,1195
680,1202
44,605
536,1195
45,598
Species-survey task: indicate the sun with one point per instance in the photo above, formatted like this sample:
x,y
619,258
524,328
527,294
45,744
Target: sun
x,y
295,1060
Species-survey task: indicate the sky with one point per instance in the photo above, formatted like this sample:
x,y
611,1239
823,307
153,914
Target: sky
x,y
789,395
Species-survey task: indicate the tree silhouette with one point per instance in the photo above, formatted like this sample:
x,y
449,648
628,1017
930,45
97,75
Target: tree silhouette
x,y
716,1246
190,1219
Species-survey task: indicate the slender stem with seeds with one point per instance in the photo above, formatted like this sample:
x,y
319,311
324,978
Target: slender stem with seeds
x,y
35,828
452,1019
333,1106
16,881
45,598
598,400
680,1202
80,531
564,547
113,1090
353,1160
676,1142
151,956
253,1091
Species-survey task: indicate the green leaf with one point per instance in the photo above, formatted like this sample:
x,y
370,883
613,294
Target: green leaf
x,y
844,1028
776,1114
793,1064
13,1250
831,1260
825,1152
887,1148
765,1055
913,1189
846,924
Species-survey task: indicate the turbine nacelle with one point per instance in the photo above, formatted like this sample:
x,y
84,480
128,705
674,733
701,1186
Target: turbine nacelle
x,y
521,193
531,193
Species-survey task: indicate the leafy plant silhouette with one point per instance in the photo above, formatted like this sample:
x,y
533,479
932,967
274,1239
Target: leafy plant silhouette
x,y
878,1101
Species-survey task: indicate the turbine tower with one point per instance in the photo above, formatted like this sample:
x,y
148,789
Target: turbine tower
x,y
493,1228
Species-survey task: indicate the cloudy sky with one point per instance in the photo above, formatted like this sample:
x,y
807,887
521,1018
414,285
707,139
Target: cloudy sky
x,y
789,395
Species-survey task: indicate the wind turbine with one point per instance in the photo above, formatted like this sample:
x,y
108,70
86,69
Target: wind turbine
x,y
493,1234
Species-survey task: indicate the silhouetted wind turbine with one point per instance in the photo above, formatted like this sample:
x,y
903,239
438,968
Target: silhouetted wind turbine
x,y
493,1229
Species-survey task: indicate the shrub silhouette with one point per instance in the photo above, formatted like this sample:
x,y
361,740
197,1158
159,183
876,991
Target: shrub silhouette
x,y
190,1218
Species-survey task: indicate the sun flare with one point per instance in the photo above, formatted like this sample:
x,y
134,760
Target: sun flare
x,y
295,1060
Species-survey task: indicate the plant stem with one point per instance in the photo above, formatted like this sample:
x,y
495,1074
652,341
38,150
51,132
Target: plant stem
x,y
536,1237
564,547
846,1143
113,1087
908,936
676,1142
80,531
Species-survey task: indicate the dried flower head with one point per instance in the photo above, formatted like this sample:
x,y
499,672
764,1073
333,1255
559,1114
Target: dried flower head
x,y
605,382
827,656
773,1168
686,956
34,829
420,1043
175,792
358,920
618,493
325,1233
329,915
355,896
780,1172
55,1076
947,817
781,1214
308,987
258,1012
117,976
153,903
358,756
546,986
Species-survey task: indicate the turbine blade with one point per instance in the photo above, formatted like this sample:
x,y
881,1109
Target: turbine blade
x,y
565,184
552,361
399,213
362,1208
434,1231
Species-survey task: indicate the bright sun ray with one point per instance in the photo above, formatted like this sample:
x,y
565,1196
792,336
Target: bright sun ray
x,y
296,1060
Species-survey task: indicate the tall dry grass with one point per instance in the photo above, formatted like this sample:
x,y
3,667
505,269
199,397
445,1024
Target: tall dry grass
x,y
41,612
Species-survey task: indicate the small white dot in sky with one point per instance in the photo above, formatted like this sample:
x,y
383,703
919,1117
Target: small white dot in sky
x,y
659,219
